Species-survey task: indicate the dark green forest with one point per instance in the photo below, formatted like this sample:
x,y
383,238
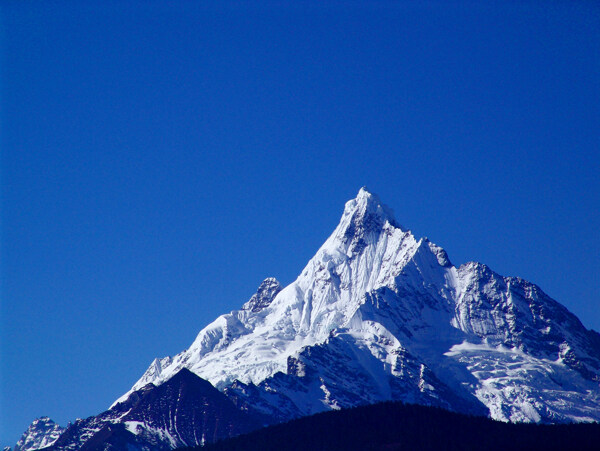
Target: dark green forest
x,y
394,426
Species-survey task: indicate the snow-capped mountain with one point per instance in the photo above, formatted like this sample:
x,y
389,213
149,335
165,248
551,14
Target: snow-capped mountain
x,y
375,315
42,433
378,314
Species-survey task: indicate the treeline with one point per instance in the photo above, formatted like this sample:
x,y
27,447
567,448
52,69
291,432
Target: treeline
x,y
395,426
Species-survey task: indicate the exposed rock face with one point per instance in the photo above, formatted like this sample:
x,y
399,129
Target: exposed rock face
x,y
264,295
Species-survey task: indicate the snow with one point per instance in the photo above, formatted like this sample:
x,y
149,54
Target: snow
x,y
160,434
517,386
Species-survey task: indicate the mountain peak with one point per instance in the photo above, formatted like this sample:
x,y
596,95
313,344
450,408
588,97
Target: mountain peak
x,y
365,192
368,204
364,216
377,314
41,433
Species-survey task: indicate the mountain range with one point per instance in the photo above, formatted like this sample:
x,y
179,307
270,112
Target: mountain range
x,y
376,315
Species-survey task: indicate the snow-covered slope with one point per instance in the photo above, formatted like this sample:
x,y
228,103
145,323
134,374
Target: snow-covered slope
x,y
42,433
378,314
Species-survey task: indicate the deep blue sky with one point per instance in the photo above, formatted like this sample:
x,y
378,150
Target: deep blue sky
x,y
159,160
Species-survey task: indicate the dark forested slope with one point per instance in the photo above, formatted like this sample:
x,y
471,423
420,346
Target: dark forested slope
x,y
397,426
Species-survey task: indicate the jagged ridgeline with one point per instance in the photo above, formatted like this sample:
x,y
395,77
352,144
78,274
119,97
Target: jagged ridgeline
x,y
376,315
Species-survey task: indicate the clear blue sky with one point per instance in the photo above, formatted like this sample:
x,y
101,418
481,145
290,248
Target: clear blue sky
x,y
160,159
